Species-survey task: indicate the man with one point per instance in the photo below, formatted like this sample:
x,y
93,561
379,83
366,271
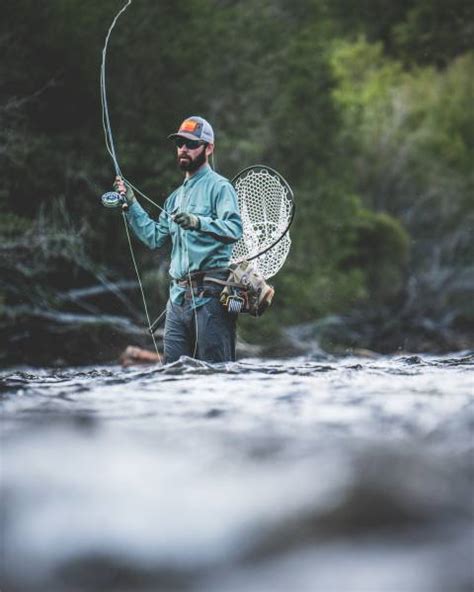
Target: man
x,y
202,220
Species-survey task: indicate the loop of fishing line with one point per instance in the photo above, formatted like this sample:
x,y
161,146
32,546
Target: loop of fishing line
x,y
110,146
106,125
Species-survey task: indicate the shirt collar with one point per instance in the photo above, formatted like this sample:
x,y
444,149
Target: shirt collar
x,y
204,170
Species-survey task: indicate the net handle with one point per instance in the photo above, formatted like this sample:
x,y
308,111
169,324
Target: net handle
x,y
285,184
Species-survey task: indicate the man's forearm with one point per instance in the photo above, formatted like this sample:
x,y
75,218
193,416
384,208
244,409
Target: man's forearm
x,y
152,234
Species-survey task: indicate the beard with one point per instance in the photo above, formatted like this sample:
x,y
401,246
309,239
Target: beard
x,y
186,163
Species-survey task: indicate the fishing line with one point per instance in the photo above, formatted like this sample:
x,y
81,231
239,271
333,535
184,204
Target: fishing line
x,y
127,232
193,300
109,140
184,241
106,125
110,146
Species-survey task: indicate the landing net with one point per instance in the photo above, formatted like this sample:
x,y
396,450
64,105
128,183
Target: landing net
x,y
267,208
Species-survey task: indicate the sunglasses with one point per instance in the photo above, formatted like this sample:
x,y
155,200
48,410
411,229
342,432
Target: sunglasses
x,y
190,144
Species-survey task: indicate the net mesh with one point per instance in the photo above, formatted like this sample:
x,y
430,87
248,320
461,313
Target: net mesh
x,y
266,209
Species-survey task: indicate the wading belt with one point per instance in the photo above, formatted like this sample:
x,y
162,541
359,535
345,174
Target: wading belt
x,y
204,283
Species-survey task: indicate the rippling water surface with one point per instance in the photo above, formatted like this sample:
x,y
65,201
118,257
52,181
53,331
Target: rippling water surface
x,y
310,474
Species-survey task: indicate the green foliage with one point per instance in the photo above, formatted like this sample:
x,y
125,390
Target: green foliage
x,y
381,254
413,134
315,280
435,31
12,225
418,32
50,244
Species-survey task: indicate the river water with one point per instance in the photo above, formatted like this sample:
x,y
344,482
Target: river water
x,y
313,474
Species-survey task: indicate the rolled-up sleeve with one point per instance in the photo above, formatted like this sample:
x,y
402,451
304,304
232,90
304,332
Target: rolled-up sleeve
x,y
153,234
226,225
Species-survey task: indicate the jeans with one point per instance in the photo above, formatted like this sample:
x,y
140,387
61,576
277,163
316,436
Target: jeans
x,y
215,332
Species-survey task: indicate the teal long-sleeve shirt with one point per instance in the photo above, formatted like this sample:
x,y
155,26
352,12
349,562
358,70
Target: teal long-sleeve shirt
x,y
212,198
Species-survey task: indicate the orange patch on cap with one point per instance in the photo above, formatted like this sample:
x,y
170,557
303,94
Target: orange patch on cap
x,y
188,126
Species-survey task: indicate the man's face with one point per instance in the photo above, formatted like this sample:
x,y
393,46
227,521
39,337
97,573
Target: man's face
x,y
190,157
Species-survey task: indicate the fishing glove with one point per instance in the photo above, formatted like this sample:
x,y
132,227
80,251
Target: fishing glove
x,y
187,221
128,196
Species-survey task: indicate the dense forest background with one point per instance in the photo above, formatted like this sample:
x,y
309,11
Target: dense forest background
x,y
365,107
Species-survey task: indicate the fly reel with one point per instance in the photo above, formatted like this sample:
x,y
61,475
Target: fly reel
x,y
113,199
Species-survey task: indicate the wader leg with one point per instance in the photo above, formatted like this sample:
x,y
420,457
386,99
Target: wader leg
x,y
216,333
178,339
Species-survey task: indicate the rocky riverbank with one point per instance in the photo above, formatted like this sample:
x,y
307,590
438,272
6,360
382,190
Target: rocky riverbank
x,y
59,339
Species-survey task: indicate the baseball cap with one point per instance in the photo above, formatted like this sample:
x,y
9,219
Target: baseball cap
x,y
195,128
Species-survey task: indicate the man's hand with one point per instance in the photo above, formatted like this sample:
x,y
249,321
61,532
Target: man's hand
x,y
124,190
187,221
